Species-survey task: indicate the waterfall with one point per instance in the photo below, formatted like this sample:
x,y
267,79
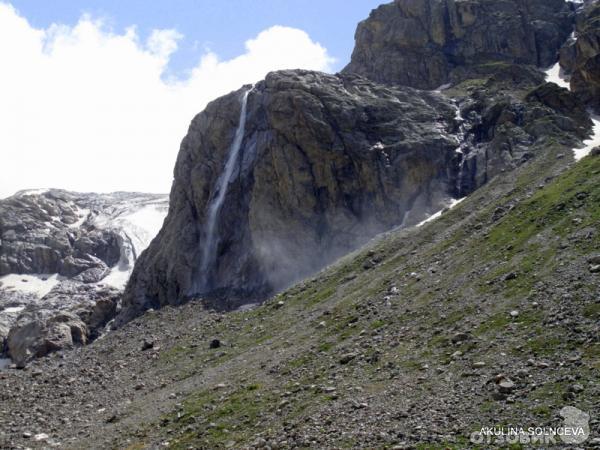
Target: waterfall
x,y
463,147
209,253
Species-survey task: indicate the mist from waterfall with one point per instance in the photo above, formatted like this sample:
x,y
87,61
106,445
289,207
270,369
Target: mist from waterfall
x,y
209,253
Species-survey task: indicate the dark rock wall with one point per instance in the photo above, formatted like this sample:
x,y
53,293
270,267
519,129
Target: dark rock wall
x,y
37,236
327,163
580,57
428,43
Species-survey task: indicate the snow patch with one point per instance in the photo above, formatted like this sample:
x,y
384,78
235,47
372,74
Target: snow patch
x,y
137,230
83,215
37,284
33,191
555,75
452,204
148,219
117,277
13,309
594,141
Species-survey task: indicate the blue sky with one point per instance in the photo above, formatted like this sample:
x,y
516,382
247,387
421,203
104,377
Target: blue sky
x,y
221,25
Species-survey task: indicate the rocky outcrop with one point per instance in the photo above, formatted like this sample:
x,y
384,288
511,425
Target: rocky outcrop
x,y
507,117
37,334
37,327
326,163
428,43
71,234
65,254
580,57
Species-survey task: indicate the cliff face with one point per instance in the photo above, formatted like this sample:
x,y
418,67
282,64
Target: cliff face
x,y
580,57
274,182
64,260
428,43
75,235
326,163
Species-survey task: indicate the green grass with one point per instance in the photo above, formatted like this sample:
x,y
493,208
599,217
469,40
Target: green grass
x,y
222,417
349,304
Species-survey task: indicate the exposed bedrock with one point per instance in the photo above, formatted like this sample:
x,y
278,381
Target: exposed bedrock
x,y
327,162
580,56
428,43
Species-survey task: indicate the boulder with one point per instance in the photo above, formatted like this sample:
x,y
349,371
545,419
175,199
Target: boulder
x,y
36,335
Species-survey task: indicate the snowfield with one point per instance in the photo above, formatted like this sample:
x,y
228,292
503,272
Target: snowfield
x,y
136,218
39,285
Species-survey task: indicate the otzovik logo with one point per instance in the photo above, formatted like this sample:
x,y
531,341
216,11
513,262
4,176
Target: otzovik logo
x,y
575,419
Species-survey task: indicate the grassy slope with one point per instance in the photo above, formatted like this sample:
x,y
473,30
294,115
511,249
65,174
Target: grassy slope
x,y
282,374
342,360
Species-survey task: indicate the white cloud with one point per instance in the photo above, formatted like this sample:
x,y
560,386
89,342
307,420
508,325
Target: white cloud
x,y
87,109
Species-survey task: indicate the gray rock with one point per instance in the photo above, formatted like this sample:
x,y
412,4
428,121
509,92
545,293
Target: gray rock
x,y
35,335
429,43
506,386
580,57
576,388
346,358
326,163
147,344
460,337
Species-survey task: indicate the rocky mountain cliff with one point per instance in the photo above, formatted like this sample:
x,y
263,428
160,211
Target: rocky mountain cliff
x,y
64,260
427,44
484,313
580,56
487,315
317,164
326,162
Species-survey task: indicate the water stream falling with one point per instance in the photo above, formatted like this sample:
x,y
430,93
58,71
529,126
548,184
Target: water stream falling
x,y
463,144
209,253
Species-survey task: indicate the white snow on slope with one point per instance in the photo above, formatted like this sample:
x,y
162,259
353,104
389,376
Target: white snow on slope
x,y
83,215
594,141
452,204
554,75
38,285
137,229
32,191
13,310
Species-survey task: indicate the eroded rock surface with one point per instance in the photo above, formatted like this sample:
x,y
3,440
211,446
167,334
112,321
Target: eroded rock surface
x,y
428,43
326,163
64,260
329,161
580,57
